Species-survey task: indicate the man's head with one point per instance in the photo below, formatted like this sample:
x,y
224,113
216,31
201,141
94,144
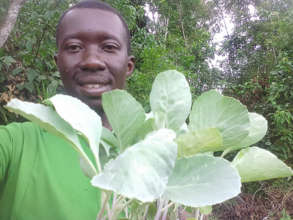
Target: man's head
x,y
93,51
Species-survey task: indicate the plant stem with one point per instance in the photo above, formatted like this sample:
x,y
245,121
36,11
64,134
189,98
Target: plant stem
x,y
96,156
109,211
201,216
167,206
225,152
197,213
117,207
105,202
114,199
165,209
99,165
179,213
126,204
160,206
146,212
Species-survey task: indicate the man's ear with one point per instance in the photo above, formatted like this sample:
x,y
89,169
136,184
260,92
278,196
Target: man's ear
x,y
130,65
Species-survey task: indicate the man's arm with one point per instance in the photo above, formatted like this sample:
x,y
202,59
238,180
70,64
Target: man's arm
x,y
6,149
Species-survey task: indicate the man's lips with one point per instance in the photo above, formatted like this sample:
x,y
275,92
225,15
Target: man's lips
x,y
93,90
93,84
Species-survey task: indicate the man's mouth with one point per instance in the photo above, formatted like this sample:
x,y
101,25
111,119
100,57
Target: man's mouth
x,y
94,89
93,86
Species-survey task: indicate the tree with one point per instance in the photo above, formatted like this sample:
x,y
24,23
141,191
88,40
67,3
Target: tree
x,y
10,19
259,68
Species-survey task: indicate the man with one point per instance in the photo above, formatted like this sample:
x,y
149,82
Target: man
x,y
93,53
40,176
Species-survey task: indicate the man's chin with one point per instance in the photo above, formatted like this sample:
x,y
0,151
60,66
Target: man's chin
x,y
95,104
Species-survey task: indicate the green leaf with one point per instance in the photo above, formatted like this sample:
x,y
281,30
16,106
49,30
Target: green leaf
x,y
257,130
142,170
146,128
49,120
170,99
202,180
212,110
86,169
256,164
17,71
81,117
52,87
206,210
125,115
108,140
8,60
31,75
193,142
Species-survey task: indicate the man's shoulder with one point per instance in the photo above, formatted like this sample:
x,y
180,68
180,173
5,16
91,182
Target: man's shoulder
x,y
20,131
20,125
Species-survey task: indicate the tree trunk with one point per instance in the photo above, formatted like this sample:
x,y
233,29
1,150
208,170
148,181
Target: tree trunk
x,y
9,20
180,12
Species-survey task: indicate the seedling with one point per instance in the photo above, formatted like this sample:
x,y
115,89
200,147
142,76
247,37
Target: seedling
x,y
158,156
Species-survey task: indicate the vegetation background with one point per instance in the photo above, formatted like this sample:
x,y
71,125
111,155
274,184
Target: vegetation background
x,y
256,67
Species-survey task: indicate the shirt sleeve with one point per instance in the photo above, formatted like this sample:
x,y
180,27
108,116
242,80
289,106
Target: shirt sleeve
x,y
5,150
10,136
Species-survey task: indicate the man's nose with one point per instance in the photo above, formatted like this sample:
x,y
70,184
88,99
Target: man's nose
x,y
92,60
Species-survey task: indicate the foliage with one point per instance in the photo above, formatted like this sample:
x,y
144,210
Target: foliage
x,y
156,45
28,70
260,69
3,9
147,167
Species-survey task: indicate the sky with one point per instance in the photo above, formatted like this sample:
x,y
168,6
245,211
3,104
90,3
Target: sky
x,y
227,28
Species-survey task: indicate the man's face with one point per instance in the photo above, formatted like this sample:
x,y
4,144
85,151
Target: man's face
x,y
92,54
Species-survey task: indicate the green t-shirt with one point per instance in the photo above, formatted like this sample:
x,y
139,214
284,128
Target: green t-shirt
x,y
40,177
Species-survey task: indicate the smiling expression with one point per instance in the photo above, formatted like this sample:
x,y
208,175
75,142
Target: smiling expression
x,y
92,54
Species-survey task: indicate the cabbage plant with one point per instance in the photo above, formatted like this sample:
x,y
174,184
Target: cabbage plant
x,y
151,164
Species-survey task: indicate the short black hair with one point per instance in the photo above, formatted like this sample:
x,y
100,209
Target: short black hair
x,y
96,4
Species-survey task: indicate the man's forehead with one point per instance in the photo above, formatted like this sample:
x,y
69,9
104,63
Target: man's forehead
x,y
91,15
91,19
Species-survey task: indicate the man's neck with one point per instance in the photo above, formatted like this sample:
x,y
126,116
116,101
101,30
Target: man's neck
x,y
105,121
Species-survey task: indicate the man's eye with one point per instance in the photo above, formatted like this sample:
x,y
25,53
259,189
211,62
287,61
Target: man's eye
x,y
73,48
110,47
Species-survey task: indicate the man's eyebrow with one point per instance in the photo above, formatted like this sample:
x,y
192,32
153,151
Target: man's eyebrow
x,y
82,35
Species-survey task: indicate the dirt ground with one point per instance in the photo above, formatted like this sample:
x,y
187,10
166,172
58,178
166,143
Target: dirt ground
x,y
269,202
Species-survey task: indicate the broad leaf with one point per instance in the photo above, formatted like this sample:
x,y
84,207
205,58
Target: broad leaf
x,y
256,164
212,110
202,180
146,128
86,169
81,117
257,130
170,100
108,140
192,142
49,120
125,115
141,171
